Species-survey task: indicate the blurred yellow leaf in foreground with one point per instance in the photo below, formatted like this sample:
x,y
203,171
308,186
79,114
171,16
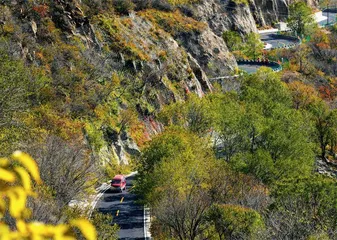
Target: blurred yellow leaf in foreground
x,y
16,176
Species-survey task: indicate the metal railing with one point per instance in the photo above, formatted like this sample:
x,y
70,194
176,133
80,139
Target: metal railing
x,y
273,65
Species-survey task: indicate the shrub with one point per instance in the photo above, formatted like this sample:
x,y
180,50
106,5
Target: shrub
x,y
8,28
173,22
162,5
235,222
181,2
123,6
186,10
233,40
41,10
115,29
142,4
245,2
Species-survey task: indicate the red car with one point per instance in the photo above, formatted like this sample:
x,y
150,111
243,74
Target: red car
x,y
119,182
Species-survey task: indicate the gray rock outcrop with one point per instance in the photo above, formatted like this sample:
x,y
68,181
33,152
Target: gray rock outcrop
x,y
210,51
226,15
266,12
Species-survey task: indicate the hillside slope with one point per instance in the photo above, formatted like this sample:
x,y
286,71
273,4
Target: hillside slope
x,y
94,58
99,71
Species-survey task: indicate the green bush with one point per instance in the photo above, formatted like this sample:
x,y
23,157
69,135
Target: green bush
x,y
235,222
123,6
233,40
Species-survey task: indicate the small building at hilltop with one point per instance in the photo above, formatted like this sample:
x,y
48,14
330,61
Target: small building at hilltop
x,y
282,26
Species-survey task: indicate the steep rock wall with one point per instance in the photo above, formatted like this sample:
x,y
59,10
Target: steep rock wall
x,y
223,15
164,66
266,12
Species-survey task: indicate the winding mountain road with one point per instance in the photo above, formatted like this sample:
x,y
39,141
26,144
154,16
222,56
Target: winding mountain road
x,y
250,68
277,40
131,217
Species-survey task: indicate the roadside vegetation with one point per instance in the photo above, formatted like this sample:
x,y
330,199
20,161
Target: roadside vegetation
x,y
300,19
264,142
67,105
249,154
247,47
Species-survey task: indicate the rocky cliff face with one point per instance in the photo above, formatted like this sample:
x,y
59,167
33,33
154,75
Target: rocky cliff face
x,y
163,55
224,15
266,12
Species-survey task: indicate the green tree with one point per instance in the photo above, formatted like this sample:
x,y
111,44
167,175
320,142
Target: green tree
x,y
253,46
194,114
233,40
14,89
232,187
229,119
175,178
300,18
102,223
277,134
266,89
301,55
302,94
325,124
235,222
175,144
304,206
18,91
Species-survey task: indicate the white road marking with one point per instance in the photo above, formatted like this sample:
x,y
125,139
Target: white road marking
x,y
93,205
147,218
131,174
147,223
98,196
144,225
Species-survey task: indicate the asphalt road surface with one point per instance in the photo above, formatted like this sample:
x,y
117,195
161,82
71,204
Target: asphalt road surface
x,y
126,213
332,13
277,41
249,68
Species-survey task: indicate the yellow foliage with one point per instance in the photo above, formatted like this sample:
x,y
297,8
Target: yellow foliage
x,y
179,2
8,28
117,30
60,125
172,22
28,163
302,94
16,175
86,228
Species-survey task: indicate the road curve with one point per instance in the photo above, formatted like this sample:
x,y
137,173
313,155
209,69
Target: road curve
x,y
251,66
278,41
126,213
331,14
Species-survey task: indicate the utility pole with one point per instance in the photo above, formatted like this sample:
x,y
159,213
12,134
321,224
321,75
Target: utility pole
x,y
334,11
327,23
